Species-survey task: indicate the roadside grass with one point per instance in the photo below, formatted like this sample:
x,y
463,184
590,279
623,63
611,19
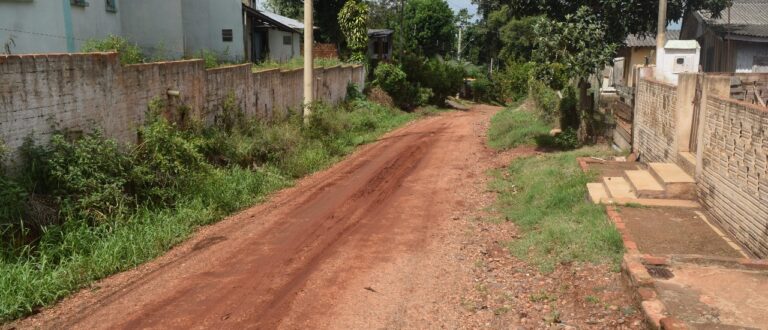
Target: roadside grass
x,y
238,173
545,196
515,126
296,63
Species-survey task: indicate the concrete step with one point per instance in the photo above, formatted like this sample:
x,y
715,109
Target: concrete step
x,y
657,202
687,161
677,183
597,193
617,187
644,184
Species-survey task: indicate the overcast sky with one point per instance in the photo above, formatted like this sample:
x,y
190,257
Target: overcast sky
x,y
459,4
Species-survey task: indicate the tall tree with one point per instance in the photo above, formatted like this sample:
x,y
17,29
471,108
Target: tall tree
x,y
429,27
326,13
353,20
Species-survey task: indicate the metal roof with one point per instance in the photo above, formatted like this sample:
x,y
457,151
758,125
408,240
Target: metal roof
x,y
650,40
270,20
747,18
379,32
285,20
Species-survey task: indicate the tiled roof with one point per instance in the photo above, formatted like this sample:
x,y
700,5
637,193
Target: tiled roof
x,y
747,18
649,41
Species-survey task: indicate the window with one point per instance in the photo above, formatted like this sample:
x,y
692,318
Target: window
x,y
287,40
79,3
110,5
226,35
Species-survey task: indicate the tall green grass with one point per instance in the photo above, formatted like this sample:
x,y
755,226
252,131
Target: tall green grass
x,y
243,164
545,196
296,63
515,127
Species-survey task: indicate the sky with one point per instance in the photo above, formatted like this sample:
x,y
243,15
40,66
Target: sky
x,y
459,4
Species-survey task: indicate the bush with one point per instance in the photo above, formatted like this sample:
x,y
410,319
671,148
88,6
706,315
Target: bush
x,y
87,175
513,81
443,78
546,100
392,80
567,139
129,53
165,162
12,197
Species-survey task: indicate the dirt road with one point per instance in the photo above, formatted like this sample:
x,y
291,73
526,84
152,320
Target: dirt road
x,y
367,243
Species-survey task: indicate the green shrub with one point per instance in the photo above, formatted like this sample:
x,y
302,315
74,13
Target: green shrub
x,y
567,139
87,175
393,80
442,78
12,197
513,81
546,100
129,53
165,161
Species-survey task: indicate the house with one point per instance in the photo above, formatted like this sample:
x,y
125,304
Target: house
x,y
231,29
736,41
380,44
638,50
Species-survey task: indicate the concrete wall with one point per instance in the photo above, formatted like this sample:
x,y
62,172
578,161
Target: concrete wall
x,y
731,166
87,91
654,121
734,182
55,26
203,23
155,25
95,22
280,52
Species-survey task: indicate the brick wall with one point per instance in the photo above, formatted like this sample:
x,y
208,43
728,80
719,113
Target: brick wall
x,y
734,182
654,121
81,91
323,51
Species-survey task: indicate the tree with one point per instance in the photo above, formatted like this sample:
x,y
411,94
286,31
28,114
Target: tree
x,y
326,13
429,27
353,20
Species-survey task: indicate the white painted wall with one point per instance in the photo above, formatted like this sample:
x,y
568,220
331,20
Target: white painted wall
x,y
94,21
155,25
204,21
39,26
280,52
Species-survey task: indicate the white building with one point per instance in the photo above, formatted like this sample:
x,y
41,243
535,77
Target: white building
x,y
232,29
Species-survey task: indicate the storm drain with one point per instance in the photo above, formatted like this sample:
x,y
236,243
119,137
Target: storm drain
x,y
661,272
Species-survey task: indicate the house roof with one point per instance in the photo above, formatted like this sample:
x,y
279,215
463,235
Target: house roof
x,y
285,20
379,32
269,20
634,40
747,18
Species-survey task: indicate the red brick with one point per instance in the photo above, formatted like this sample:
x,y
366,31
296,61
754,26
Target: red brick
x,y
646,293
651,260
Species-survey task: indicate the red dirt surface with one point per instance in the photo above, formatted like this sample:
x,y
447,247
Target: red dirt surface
x,y
388,238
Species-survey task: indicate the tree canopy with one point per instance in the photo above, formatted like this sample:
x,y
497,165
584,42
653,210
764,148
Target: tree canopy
x,y
429,27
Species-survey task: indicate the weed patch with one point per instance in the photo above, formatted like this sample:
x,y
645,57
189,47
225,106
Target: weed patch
x,y
544,196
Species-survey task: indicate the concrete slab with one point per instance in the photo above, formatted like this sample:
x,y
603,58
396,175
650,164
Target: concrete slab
x,y
597,193
617,187
715,297
656,202
644,184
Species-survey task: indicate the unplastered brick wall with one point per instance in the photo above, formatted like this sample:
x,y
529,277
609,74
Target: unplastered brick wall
x,y
654,121
734,182
83,92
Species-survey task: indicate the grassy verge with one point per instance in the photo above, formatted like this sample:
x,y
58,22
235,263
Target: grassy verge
x,y
132,206
515,126
544,196
295,63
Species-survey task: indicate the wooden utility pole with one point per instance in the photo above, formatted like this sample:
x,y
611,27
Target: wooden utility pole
x,y
309,82
661,37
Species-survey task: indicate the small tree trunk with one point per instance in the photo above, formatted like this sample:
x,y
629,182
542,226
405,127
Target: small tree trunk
x,y
586,127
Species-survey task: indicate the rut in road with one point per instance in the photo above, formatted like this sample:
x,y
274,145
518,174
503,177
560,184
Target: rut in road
x,y
308,242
